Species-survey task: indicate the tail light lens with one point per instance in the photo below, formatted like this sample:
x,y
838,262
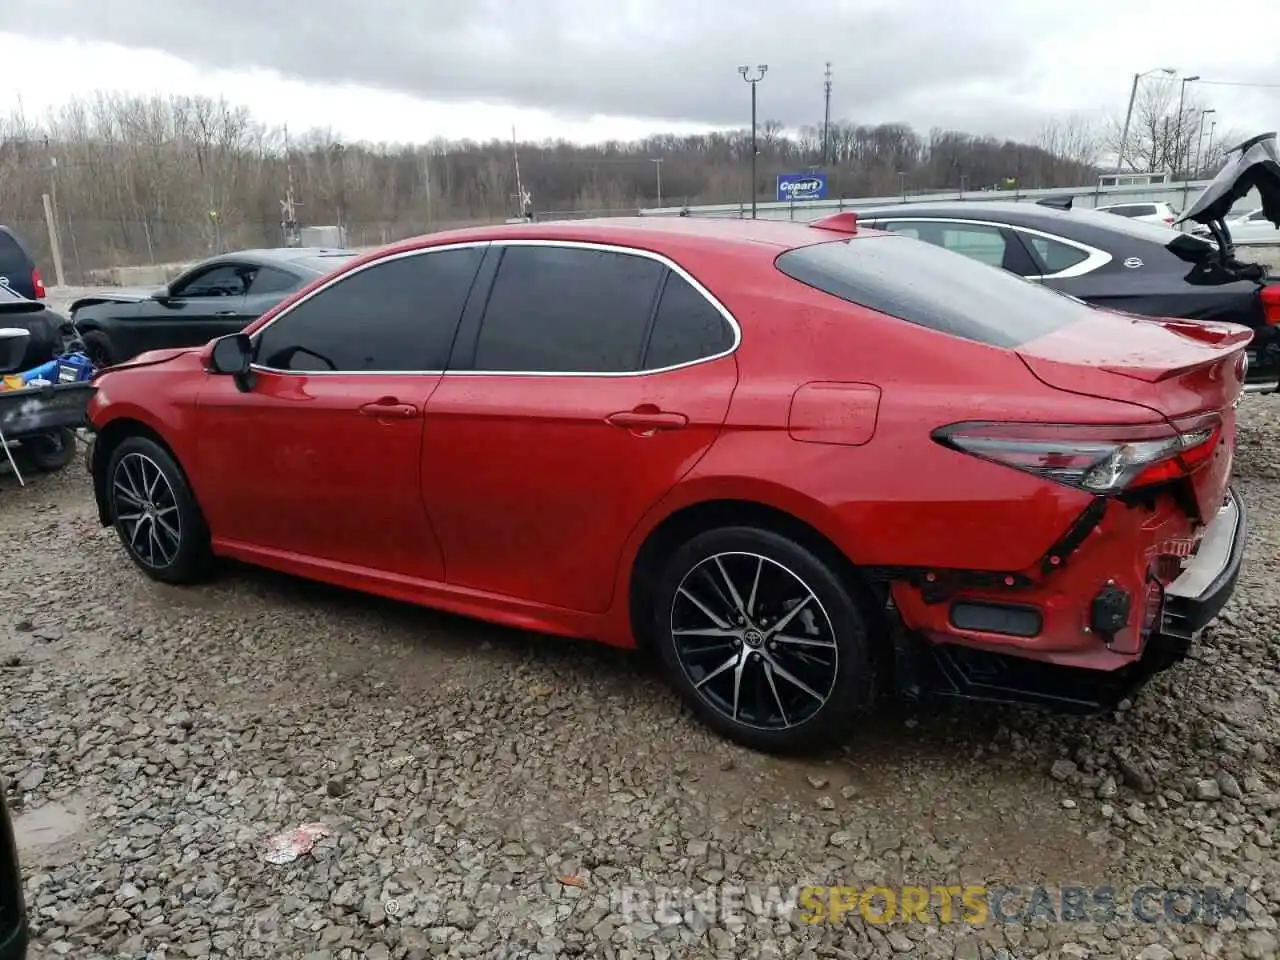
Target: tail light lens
x,y
1169,220
38,284
1102,459
1270,296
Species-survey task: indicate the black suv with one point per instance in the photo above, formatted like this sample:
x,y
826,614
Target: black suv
x,y
18,271
13,914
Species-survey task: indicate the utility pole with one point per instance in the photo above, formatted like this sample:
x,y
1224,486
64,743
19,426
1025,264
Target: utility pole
x,y
426,177
657,166
1177,146
522,198
755,152
51,218
1128,114
1200,140
288,206
826,113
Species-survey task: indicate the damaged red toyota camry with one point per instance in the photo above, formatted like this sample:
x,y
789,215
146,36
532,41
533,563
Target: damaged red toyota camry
x,y
805,464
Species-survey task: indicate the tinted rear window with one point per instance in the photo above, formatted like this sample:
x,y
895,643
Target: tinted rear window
x,y
933,287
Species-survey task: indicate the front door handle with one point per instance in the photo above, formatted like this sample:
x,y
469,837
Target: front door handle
x,y
647,421
225,313
389,408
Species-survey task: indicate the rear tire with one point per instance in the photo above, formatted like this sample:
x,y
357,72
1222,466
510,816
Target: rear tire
x,y
50,452
98,348
765,641
155,513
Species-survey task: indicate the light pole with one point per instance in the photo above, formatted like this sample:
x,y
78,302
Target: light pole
x,y
1178,158
1200,140
1208,150
746,75
1128,114
657,165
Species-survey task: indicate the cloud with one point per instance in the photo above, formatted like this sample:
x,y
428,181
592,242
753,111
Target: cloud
x,y
996,67
643,58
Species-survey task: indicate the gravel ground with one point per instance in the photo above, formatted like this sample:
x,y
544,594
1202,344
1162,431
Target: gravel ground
x,y
491,793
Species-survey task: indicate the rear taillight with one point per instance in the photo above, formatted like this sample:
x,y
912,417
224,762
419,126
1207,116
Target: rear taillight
x,y
1103,459
1270,296
37,284
1169,220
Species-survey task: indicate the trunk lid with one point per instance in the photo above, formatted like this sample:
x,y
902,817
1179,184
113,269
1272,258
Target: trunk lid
x,y
1176,369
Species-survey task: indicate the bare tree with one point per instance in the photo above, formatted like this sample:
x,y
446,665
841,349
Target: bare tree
x,y
163,179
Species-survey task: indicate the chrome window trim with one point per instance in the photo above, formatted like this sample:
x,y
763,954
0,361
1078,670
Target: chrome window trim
x,y
1094,260
512,242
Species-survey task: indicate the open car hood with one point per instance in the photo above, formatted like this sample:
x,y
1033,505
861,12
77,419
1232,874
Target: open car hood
x,y
1254,163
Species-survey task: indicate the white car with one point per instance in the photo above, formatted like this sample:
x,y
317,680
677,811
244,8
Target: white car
x,y
1252,227
1150,212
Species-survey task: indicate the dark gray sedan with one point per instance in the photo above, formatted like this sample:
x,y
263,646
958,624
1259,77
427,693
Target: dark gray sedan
x,y
1109,261
218,296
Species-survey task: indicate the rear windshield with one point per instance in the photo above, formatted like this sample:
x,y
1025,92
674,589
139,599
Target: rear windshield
x,y
324,263
1141,229
933,287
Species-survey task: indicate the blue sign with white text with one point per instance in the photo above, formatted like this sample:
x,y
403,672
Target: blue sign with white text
x,y
802,186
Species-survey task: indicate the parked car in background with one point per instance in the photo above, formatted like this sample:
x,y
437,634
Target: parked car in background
x,y
215,297
1148,212
1252,226
13,911
1114,262
18,270
673,433
45,325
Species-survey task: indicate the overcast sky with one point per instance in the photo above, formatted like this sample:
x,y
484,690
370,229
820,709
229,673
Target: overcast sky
x,y
411,70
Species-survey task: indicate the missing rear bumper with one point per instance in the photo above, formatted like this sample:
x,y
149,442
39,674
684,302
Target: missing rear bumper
x,y
1206,584
949,671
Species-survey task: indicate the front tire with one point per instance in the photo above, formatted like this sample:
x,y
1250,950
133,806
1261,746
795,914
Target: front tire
x,y
155,513
98,348
765,641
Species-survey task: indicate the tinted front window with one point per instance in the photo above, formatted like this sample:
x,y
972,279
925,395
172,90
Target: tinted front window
x,y
985,244
932,287
226,281
399,314
270,280
567,310
687,327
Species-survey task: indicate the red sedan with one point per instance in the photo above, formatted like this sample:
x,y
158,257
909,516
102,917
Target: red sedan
x,y
798,461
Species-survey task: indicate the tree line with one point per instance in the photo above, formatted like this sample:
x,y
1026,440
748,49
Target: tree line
x,y
158,179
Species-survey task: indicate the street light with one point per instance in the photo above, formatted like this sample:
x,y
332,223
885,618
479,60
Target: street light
x,y
657,165
746,75
1178,144
1128,115
1200,139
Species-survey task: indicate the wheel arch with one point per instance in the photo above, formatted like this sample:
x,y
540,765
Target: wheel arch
x,y
795,518
106,438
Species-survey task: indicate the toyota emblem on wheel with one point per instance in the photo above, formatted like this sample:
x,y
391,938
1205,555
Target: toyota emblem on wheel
x,y
1133,262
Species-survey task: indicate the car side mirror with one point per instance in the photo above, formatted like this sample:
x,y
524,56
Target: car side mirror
x,y
232,355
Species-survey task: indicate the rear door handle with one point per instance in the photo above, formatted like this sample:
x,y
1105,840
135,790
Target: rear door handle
x,y
647,421
389,408
225,313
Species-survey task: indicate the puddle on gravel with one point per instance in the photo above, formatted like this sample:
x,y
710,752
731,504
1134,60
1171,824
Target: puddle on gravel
x,y
49,833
